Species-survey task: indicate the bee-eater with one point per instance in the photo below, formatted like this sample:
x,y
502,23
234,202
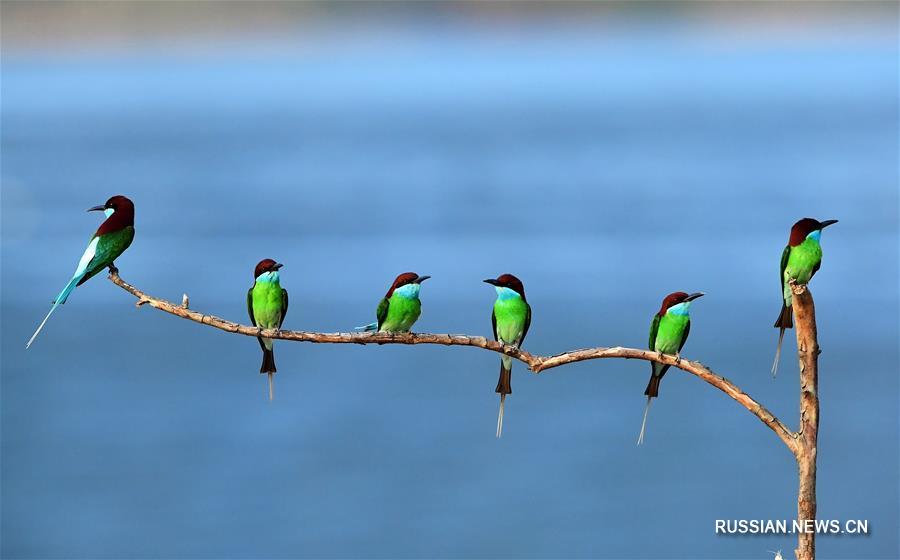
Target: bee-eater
x,y
510,318
109,241
400,307
799,262
267,304
669,331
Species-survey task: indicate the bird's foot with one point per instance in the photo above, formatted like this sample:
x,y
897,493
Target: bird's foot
x,y
659,355
677,358
113,269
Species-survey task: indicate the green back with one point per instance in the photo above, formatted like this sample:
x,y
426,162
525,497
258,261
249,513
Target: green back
x,y
109,247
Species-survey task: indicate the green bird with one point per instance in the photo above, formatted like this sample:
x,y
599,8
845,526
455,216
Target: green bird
x,y
800,261
511,318
669,331
267,304
400,308
110,240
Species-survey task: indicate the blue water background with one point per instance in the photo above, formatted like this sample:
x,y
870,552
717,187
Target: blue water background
x,y
604,170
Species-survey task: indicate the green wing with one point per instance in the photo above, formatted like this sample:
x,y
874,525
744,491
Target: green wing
x,y
494,325
284,306
110,246
527,322
250,306
784,260
654,328
382,311
687,331
252,318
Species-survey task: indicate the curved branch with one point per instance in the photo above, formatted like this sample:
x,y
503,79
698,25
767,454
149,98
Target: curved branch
x,y
535,363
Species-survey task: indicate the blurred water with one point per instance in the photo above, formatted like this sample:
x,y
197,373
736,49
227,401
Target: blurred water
x,y
605,172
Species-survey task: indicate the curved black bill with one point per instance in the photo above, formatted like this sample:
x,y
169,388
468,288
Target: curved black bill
x,y
421,279
490,281
826,223
95,208
276,266
694,296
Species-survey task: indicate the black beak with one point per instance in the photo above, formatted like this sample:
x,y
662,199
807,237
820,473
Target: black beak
x,y
421,279
694,296
276,266
95,208
491,281
826,223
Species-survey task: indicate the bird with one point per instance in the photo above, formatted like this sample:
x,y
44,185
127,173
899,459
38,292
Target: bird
x,y
400,308
510,318
669,331
267,304
110,240
800,261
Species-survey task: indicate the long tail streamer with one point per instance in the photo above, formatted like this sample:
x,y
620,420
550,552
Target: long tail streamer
x,y
644,423
777,353
271,386
500,416
44,322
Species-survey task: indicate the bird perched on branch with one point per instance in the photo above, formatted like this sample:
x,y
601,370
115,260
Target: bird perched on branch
x,y
800,261
110,240
267,304
669,331
400,308
510,318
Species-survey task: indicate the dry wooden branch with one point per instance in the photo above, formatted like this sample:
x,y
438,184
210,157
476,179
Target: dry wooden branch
x,y
535,363
808,352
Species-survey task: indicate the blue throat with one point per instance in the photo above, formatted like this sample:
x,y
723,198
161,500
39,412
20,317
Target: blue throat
x,y
271,276
815,235
506,293
408,291
681,309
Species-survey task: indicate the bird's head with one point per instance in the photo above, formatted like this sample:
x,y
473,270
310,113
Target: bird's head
x,y
118,203
506,283
678,303
408,282
266,268
808,228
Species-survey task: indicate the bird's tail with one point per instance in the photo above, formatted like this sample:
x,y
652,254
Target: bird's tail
x,y
268,367
652,389
500,416
644,422
785,321
60,299
367,328
504,387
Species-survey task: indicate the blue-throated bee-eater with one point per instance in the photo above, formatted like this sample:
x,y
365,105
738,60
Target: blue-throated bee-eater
x,y
110,240
669,331
510,318
800,261
267,304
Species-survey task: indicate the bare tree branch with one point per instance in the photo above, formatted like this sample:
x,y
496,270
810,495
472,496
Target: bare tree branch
x,y
808,352
535,363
